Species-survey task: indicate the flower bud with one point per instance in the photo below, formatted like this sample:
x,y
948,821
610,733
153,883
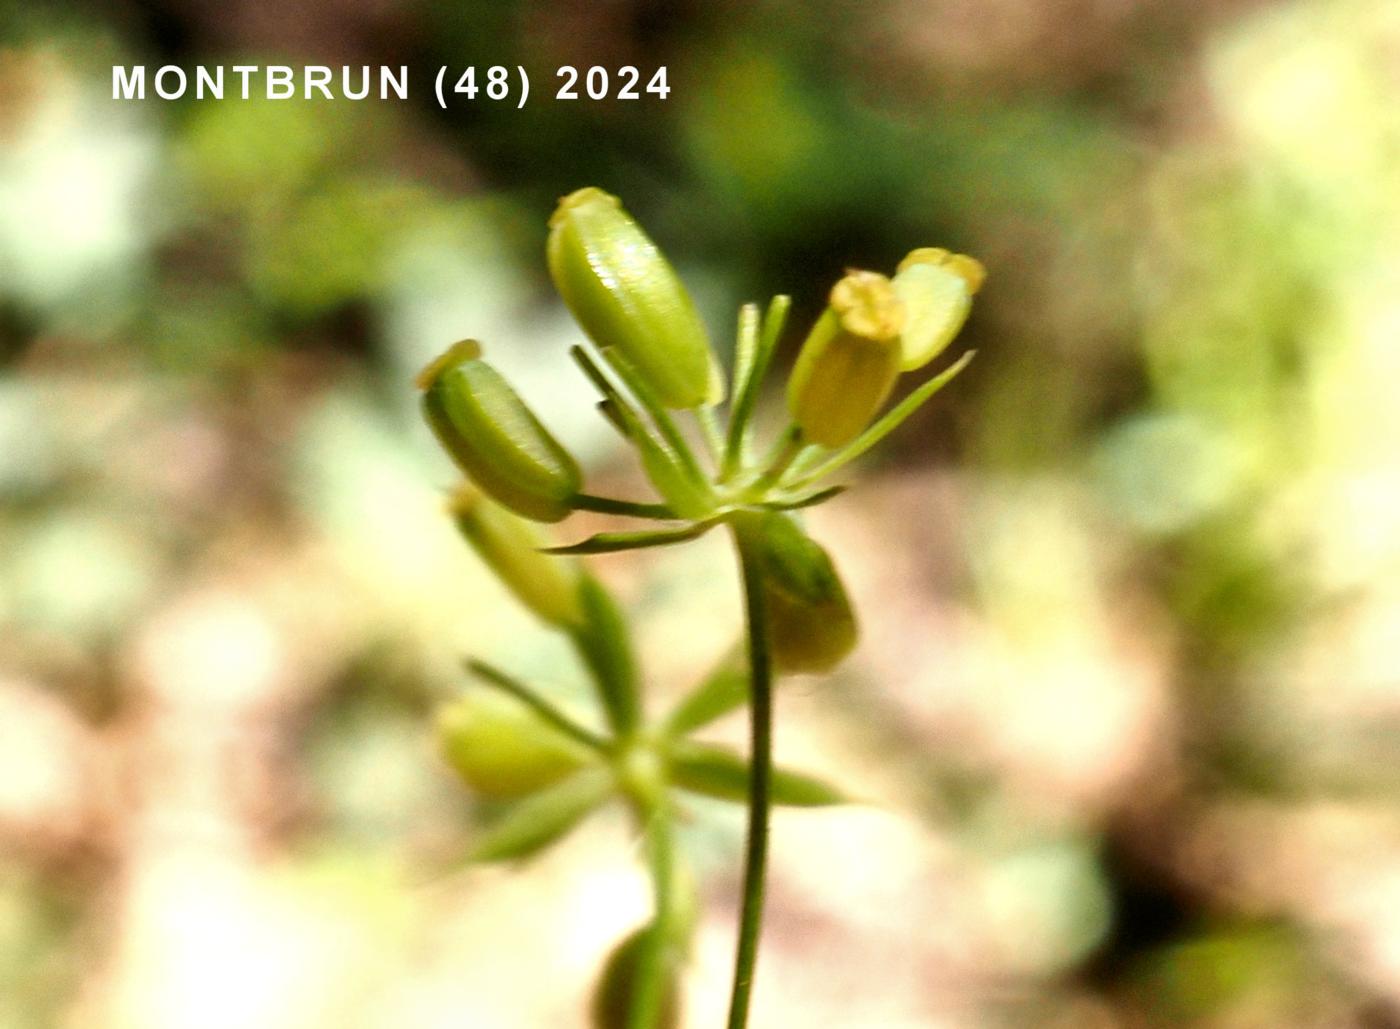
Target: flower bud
x,y
494,437
548,586
501,748
625,295
936,287
810,622
849,361
612,1000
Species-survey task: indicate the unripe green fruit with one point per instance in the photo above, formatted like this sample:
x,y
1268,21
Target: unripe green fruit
x,y
501,748
811,624
494,438
612,1000
625,295
548,586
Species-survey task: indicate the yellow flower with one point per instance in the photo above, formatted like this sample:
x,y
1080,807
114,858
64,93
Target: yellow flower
x,y
937,288
849,361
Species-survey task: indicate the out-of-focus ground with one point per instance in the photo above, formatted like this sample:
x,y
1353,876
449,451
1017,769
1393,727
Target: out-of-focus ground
x,y
1127,704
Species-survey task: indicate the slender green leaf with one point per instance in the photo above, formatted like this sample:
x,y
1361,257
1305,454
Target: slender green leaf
x,y
754,352
665,424
615,406
745,348
821,496
722,691
612,542
710,433
608,409
687,496
625,508
654,986
674,473
806,461
604,644
746,341
723,773
773,321
539,820
526,694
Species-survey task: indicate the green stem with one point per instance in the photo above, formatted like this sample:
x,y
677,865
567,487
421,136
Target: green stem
x,y
660,417
710,432
512,686
790,445
754,350
761,759
650,997
746,354
630,508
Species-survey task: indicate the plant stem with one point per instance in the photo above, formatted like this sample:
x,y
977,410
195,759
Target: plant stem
x,y
660,416
761,760
651,972
746,346
787,449
710,432
512,686
754,351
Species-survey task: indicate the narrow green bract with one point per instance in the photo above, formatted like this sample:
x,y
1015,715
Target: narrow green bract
x,y
625,295
605,645
718,772
542,818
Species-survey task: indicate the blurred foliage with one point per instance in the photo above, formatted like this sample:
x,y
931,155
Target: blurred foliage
x,y
1141,570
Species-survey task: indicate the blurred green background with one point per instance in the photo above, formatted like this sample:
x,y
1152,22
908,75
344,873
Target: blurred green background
x,y
1128,699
